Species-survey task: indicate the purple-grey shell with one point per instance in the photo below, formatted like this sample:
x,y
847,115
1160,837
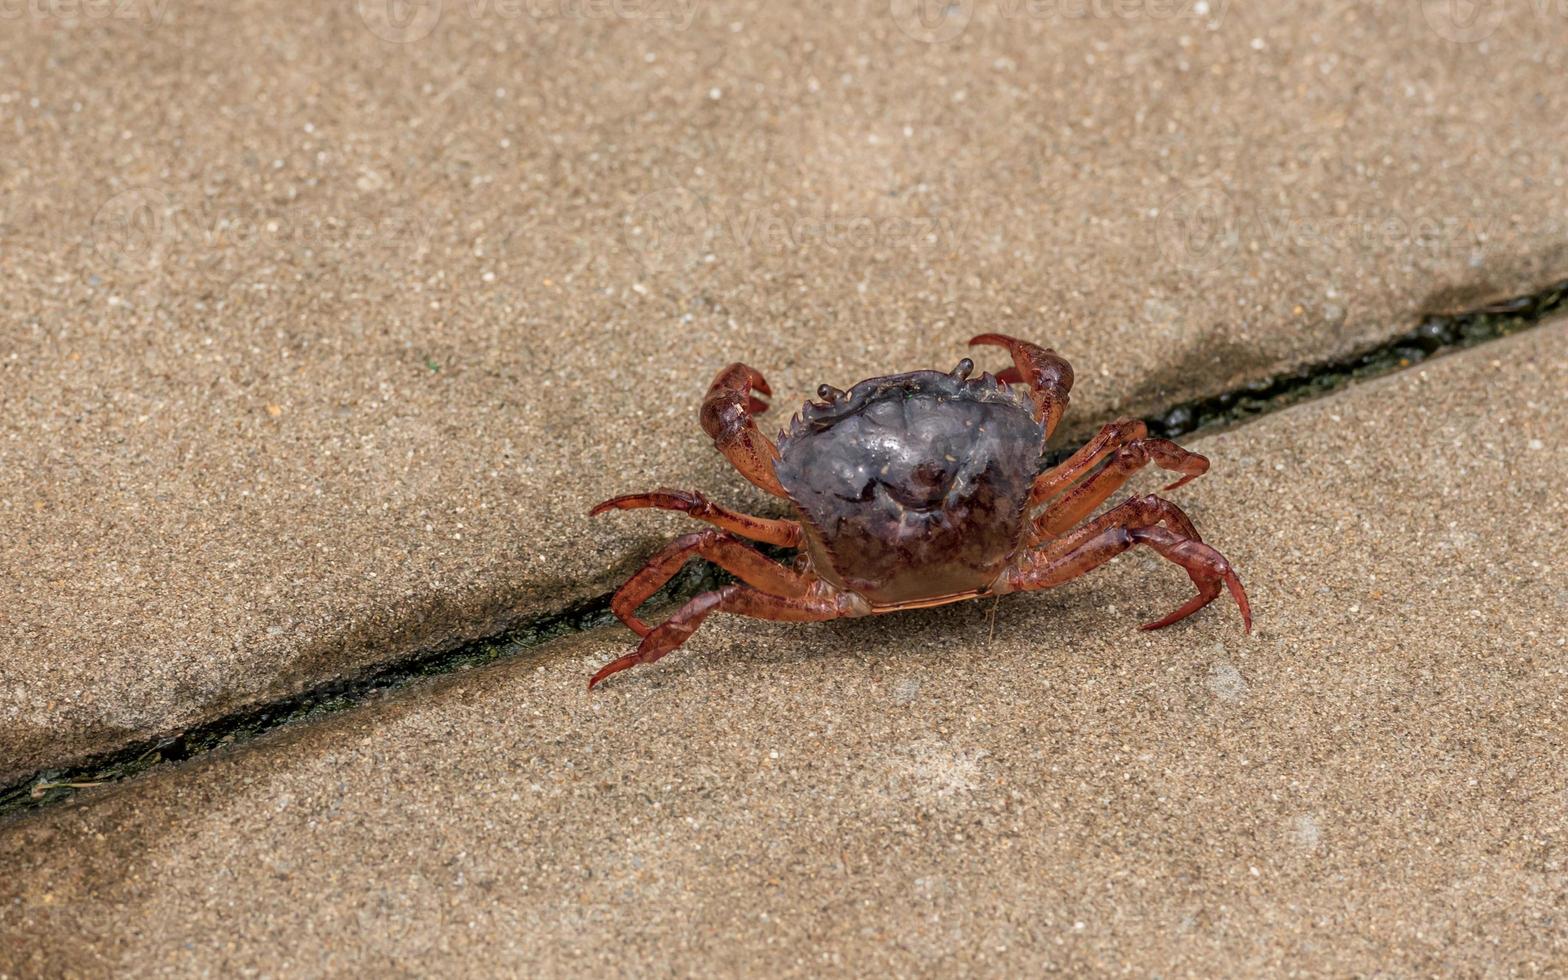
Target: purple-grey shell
x,y
913,486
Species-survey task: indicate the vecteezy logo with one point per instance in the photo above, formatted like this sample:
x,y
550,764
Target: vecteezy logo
x,y
399,21
932,21
132,229
1463,21
668,229
1199,228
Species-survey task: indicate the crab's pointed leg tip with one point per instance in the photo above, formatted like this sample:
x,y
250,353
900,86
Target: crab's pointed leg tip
x,y
605,505
613,667
1233,583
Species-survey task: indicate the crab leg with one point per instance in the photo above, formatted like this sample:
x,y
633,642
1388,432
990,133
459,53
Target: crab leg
x,y
1080,501
726,416
693,503
1111,437
1047,374
1146,511
1135,522
821,603
735,557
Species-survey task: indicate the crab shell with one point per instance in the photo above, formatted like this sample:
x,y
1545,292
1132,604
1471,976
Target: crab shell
x,y
913,487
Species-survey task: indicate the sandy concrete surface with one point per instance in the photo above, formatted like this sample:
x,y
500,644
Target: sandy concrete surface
x,y
1374,783
322,329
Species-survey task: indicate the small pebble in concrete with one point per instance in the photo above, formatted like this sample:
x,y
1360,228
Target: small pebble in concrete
x,y
1306,831
1225,682
939,772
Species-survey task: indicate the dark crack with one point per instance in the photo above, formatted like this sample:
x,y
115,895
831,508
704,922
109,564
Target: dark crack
x,y
1434,336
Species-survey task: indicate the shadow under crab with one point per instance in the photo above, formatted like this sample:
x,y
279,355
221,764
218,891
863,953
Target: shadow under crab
x,y
916,490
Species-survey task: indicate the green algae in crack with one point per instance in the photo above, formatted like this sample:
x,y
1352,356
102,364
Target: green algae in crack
x,y
1434,336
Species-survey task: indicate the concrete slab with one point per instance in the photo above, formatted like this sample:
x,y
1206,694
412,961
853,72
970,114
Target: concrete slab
x,y
322,329
1373,782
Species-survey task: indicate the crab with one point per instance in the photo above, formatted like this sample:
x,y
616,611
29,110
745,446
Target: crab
x,y
916,490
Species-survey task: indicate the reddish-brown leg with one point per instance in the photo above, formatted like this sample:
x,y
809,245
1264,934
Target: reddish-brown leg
x,y
727,416
692,502
1080,501
821,603
1145,511
735,557
1135,522
1110,438
1047,374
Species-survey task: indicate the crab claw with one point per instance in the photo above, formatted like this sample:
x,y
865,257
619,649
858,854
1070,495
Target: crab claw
x,y
759,386
726,416
1048,376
